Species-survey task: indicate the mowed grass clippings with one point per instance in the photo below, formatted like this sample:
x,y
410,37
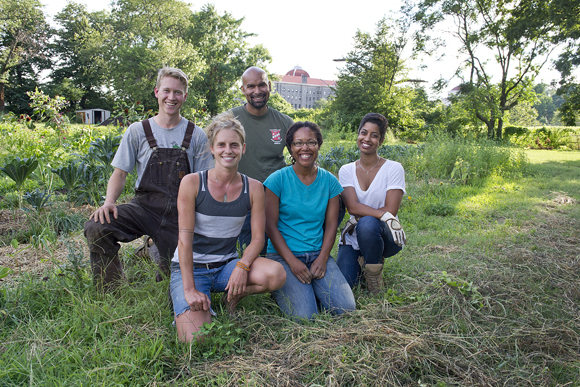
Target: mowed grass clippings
x,y
485,294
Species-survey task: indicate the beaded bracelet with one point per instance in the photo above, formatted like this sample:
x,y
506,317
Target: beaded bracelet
x,y
242,266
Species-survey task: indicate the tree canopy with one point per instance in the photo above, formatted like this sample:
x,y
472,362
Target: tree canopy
x,y
24,33
101,56
495,39
110,58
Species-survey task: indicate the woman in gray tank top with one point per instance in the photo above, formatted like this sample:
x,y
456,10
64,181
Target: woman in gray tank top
x,y
212,207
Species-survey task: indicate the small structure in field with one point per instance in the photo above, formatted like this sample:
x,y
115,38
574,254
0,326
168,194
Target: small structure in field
x,y
92,116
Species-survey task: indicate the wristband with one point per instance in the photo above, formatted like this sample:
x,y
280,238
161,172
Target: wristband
x,y
242,266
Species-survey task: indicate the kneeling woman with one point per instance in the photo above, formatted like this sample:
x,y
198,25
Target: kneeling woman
x,y
373,189
301,221
212,208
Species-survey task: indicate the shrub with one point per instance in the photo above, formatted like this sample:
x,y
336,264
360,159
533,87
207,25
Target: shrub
x,y
543,138
470,158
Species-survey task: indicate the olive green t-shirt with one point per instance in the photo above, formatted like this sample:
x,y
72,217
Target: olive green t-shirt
x,y
265,142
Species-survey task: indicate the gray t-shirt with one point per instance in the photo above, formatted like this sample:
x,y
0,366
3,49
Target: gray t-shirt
x,y
265,141
134,150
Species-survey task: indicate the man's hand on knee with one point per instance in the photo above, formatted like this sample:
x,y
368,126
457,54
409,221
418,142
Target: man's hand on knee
x,y
104,213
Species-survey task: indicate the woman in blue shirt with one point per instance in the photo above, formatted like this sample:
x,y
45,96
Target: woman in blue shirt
x,y
301,221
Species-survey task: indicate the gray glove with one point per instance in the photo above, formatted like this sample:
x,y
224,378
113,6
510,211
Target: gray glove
x,y
395,227
348,229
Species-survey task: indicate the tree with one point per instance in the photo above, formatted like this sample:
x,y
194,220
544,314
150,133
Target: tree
x,y
571,106
485,28
370,80
222,44
547,103
523,114
23,78
82,49
23,37
563,17
277,102
149,35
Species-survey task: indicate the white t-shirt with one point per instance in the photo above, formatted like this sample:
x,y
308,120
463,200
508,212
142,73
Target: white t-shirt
x,y
134,150
390,176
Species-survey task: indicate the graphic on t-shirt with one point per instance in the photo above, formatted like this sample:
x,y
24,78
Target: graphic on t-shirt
x,y
276,136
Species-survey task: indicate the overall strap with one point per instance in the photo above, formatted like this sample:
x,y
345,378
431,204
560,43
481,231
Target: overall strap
x,y
188,134
149,134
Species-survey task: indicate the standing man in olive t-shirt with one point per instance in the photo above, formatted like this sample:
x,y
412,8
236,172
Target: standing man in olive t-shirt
x,y
265,134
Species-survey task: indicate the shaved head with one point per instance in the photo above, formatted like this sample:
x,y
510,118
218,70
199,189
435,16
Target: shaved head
x,y
256,88
253,71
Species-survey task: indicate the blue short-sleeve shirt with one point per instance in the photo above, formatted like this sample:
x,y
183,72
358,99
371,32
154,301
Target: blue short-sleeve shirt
x,y
302,207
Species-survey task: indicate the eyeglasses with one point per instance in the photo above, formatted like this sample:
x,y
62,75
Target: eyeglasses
x,y
300,144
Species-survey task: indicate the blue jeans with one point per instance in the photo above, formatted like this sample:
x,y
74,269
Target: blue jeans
x,y
375,242
299,300
206,281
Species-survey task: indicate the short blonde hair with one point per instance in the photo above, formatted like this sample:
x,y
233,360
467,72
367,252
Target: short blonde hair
x,y
173,73
225,120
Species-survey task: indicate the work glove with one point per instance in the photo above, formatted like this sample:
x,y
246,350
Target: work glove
x,y
395,227
348,228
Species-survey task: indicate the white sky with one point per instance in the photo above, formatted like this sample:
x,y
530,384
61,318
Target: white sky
x,y
311,33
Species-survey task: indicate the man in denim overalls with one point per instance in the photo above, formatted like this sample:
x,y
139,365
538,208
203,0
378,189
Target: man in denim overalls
x,y
163,149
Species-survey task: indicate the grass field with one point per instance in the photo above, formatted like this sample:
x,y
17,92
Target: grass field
x,y
485,294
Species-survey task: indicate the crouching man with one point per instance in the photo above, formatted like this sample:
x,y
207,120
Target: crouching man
x,y
163,149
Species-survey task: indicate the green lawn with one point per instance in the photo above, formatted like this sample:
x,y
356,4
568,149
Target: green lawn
x,y
484,294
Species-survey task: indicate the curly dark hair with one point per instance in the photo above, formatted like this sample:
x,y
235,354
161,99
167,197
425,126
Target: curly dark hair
x,y
377,119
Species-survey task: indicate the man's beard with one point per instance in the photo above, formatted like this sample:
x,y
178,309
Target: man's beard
x,y
258,105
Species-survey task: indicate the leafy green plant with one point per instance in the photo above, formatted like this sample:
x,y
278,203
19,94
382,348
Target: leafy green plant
x,y
5,272
92,183
462,172
42,174
76,263
49,109
440,209
132,113
467,289
338,156
216,339
20,169
38,199
103,151
70,174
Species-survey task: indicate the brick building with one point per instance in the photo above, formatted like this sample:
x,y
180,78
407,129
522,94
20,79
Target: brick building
x,y
300,90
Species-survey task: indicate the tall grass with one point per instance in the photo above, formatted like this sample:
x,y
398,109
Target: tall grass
x,y
441,156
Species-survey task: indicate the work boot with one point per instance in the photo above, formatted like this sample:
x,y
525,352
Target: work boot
x,y
107,272
374,277
143,250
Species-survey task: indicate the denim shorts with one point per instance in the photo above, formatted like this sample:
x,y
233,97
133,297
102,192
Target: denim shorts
x,y
206,281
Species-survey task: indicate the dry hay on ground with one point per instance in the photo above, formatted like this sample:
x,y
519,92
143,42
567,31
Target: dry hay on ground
x,y
41,260
11,220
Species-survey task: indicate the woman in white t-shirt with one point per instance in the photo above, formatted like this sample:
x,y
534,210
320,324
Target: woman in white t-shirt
x,y
373,189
